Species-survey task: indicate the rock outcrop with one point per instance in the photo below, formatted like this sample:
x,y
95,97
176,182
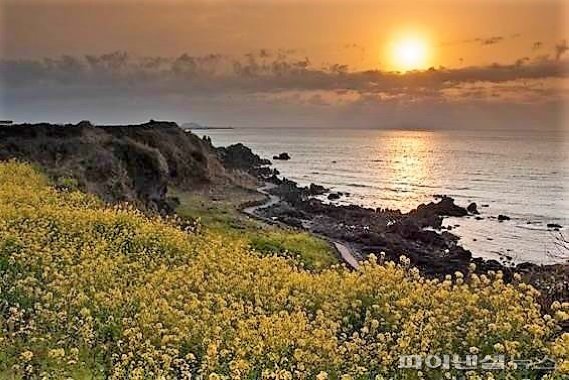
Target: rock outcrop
x,y
472,208
283,156
239,157
315,190
133,163
445,207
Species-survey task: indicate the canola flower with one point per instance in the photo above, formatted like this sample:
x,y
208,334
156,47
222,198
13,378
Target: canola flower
x,y
92,291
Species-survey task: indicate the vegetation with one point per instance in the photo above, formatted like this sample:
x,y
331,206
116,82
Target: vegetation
x,y
90,291
223,217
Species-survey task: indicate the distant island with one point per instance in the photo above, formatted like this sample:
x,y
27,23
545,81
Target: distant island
x,y
196,126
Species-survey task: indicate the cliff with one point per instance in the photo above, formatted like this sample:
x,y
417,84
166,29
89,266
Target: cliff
x,y
133,163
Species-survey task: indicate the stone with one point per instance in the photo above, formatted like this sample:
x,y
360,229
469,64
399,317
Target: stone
x,y
284,156
472,208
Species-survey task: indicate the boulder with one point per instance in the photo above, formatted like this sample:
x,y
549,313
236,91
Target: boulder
x,y
333,196
283,156
553,225
446,207
502,218
473,208
315,189
239,156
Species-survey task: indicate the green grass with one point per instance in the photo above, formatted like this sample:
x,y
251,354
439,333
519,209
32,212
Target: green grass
x,y
223,216
315,253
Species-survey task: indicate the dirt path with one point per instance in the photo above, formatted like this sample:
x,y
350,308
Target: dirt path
x,y
272,200
345,252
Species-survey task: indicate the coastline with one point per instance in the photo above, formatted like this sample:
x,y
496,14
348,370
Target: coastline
x,y
418,235
401,169
156,156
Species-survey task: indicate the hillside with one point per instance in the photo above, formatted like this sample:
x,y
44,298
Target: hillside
x,y
134,163
93,291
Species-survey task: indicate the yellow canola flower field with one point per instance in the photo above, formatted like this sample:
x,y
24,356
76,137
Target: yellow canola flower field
x,y
91,291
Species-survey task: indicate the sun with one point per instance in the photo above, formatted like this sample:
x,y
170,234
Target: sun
x,y
410,53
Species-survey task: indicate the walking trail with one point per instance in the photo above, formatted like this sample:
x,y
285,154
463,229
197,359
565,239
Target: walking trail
x,y
344,250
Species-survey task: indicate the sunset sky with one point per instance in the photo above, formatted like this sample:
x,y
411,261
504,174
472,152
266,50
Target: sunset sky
x,y
342,63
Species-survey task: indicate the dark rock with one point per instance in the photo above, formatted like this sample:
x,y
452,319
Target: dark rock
x,y
334,196
291,221
526,267
479,218
446,207
314,189
472,208
283,156
554,225
502,218
240,157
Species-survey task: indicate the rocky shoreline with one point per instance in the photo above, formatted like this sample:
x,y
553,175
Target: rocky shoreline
x,y
418,234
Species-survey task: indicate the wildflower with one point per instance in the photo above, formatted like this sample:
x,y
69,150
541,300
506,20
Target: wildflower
x,y
26,356
404,260
561,316
57,353
160,302
499,347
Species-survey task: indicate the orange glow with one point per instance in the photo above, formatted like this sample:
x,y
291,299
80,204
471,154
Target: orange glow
x,y
410,52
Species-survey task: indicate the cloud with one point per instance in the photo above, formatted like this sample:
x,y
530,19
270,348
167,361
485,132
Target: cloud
x,y
484,41
490,40
274,81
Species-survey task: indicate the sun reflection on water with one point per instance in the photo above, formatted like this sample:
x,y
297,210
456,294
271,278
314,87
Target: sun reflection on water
x,y
408,163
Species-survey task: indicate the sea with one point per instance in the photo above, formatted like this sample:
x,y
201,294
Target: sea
x,y
521,174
